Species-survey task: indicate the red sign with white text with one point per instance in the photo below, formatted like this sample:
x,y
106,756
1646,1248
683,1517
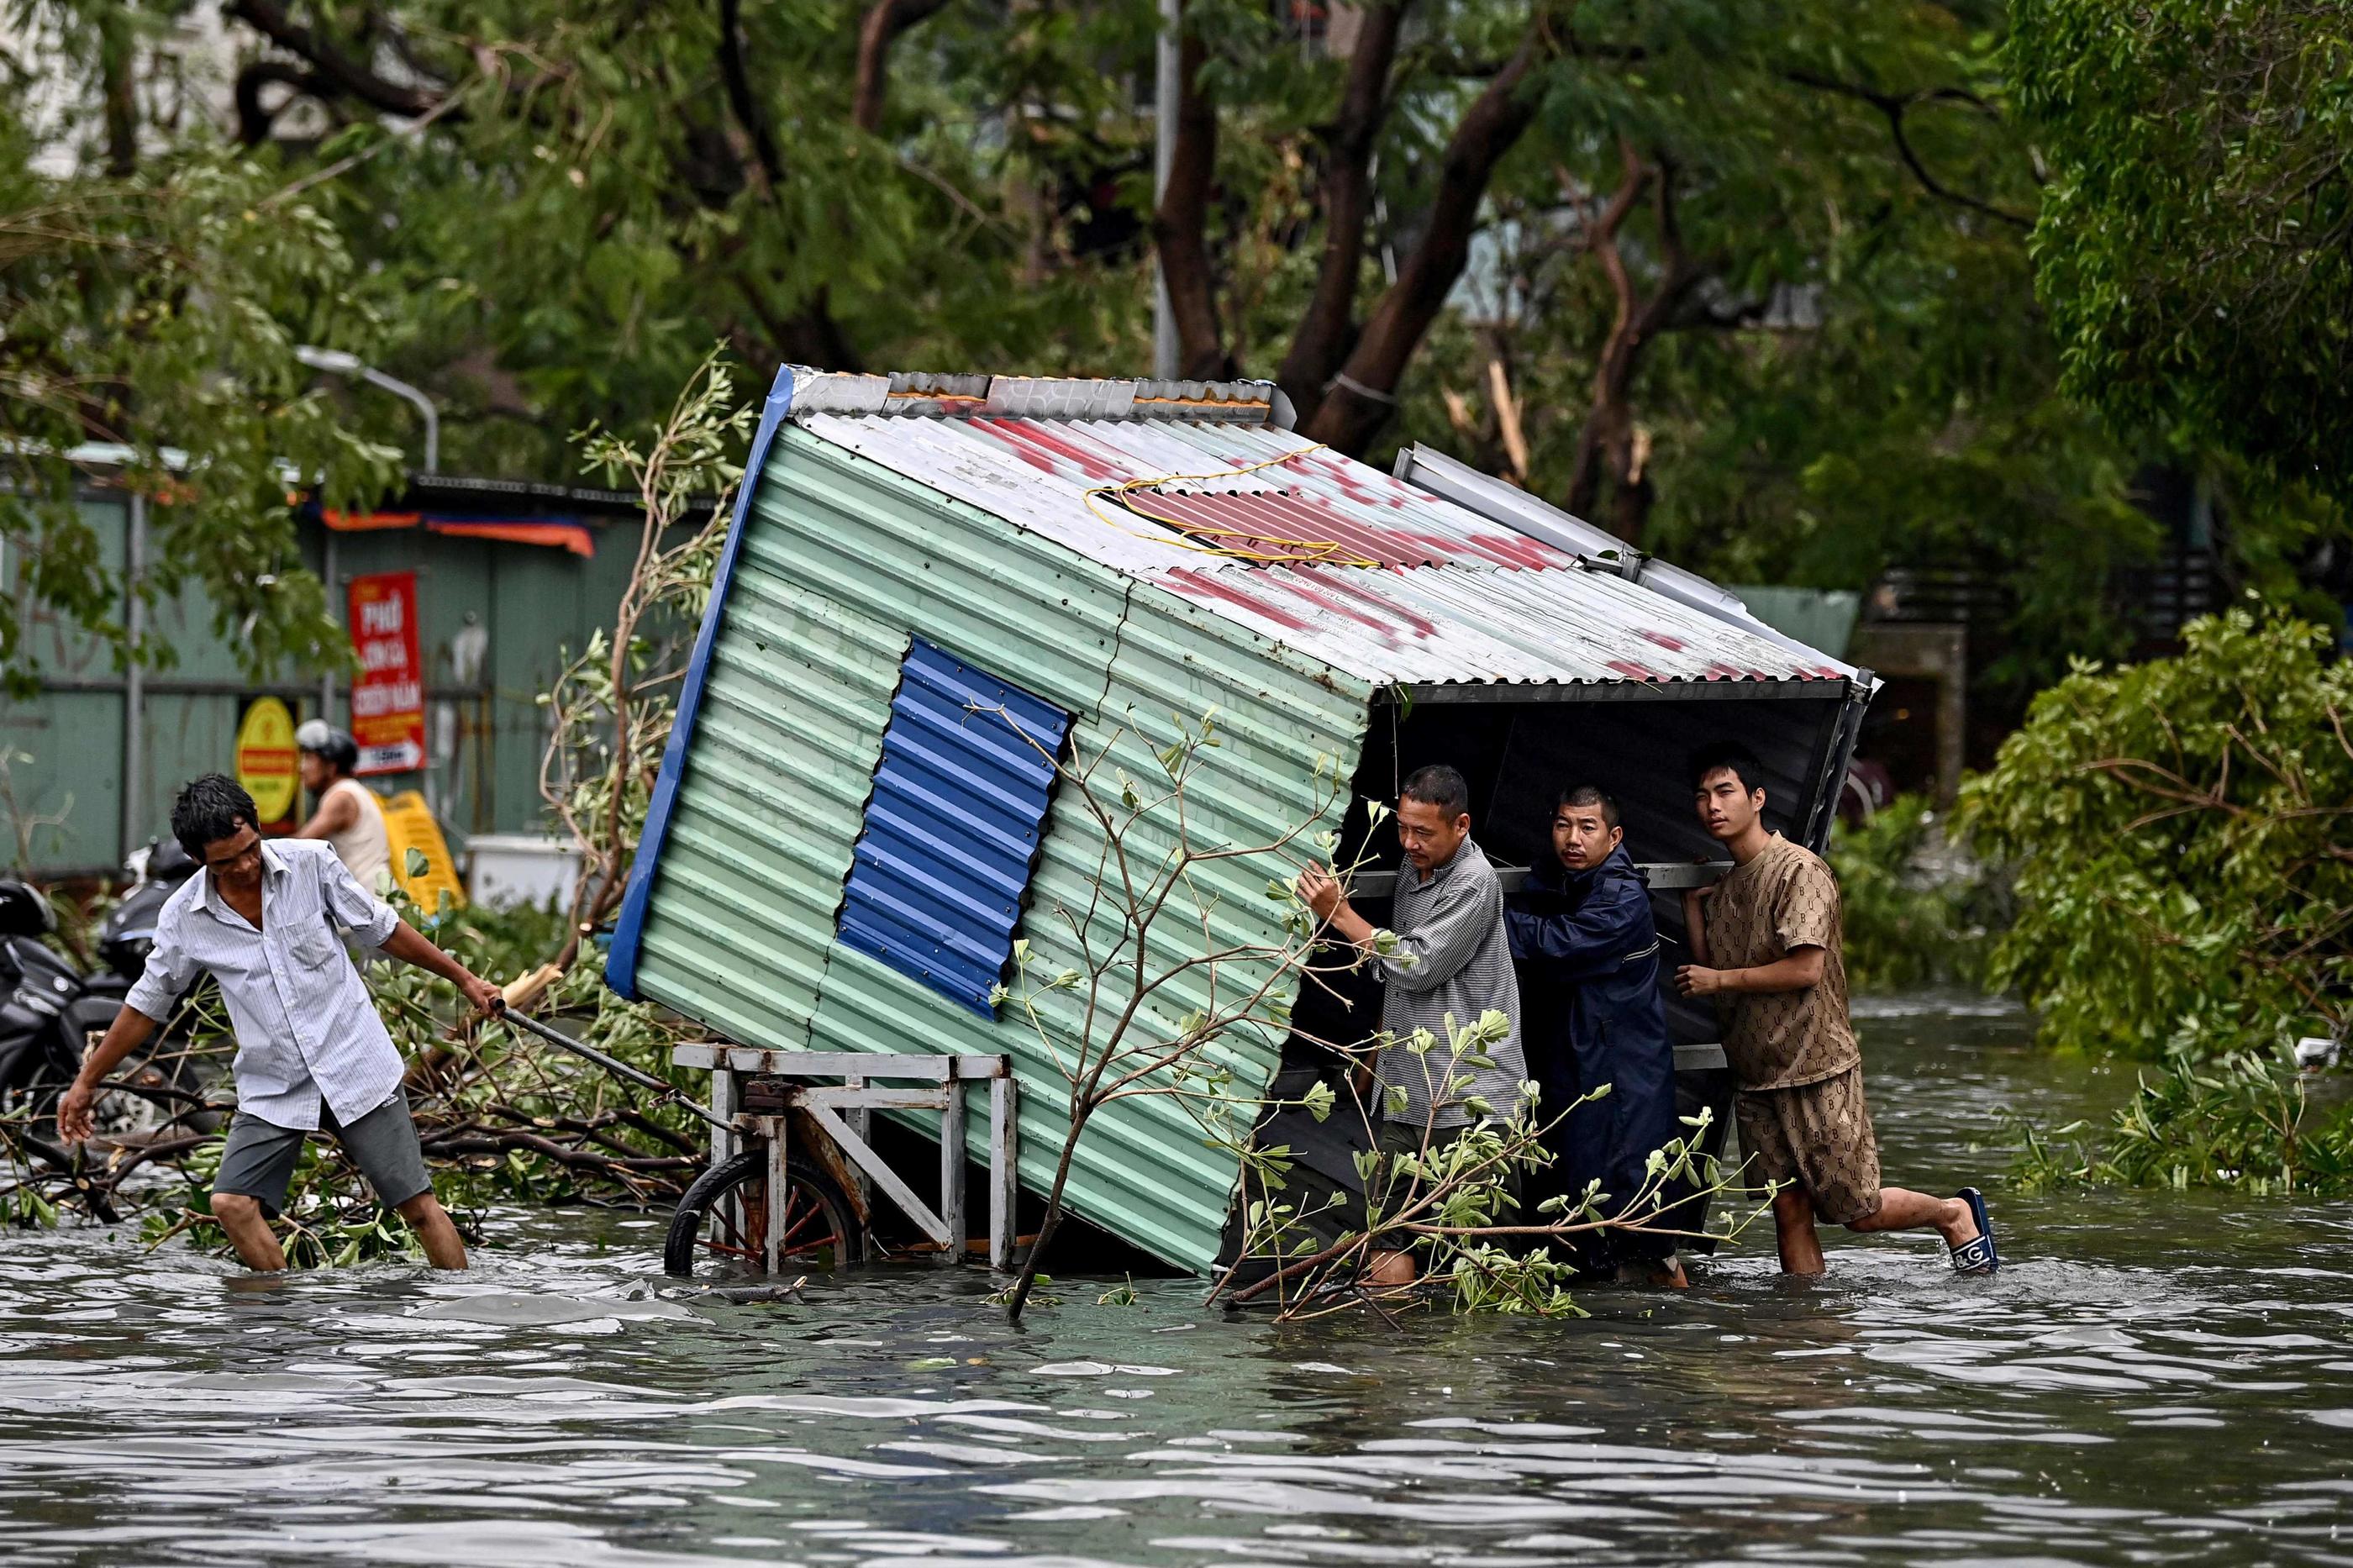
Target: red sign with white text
x,y
388,697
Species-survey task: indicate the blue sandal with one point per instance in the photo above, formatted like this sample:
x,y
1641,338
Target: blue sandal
x,y
1978,1256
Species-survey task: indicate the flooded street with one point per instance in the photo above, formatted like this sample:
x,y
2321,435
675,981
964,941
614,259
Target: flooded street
x,y
2154,1378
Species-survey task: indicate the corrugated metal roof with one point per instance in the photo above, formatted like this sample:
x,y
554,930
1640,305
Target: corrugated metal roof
x,y
952,829
1361,570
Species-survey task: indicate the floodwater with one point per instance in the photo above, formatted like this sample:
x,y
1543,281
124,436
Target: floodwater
x,y
2154,1378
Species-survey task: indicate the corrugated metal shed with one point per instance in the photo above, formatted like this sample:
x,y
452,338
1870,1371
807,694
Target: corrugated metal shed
x,y
985,516
835,562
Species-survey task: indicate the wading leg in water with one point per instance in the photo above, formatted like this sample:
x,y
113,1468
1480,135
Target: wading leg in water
x,y
1801,1245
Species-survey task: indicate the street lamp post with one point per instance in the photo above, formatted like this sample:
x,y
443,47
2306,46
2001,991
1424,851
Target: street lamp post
x,y
337,362
1167,83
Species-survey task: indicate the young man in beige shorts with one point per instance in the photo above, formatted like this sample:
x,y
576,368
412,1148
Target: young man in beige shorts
x,y
1764,942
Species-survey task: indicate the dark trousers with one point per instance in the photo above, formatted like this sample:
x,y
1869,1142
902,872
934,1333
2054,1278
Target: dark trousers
x,y
1610,1139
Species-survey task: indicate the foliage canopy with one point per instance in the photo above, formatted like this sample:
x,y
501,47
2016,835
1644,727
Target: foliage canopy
x,y
1746,281
2192,245
2182,843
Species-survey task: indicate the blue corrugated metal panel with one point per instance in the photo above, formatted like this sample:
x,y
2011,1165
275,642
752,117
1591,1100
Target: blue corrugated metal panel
x,y
952,829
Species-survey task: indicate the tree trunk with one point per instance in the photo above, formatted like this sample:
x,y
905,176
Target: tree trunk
x,y
1053,1220
1327,328
884,21
1363,390
118,63
1612,450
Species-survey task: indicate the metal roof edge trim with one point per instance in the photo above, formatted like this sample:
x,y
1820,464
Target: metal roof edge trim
x,y
916,393
1487,497
1451,479
1628,689
628,930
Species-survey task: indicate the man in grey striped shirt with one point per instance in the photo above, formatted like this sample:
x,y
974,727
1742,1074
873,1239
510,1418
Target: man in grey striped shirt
x,y
264,920
1451,964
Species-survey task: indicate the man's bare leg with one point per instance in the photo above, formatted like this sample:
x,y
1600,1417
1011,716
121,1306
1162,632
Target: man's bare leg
x,y
1793,1228
1900,1210
256,1243
436,1230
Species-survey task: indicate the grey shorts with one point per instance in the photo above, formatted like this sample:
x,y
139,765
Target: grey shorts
x,y
259,1162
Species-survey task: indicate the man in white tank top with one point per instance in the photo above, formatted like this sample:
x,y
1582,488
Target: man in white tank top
x,y
347,816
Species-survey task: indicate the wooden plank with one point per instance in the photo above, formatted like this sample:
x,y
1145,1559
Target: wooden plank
x,y
860,1121
867,1097
935,1067
1004,1186
772,1237
1672,875
897,1191
952,1174
724,1103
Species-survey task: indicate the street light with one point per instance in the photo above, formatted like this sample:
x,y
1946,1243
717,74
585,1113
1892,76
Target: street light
x,y
338,362
1168,82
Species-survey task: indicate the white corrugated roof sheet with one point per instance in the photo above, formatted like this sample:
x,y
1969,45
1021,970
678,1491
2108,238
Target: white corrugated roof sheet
x,y
1368,573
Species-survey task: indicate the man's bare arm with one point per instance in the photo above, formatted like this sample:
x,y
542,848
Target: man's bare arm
x,y
337,812
410,946
128,1031
1799,970
1696,921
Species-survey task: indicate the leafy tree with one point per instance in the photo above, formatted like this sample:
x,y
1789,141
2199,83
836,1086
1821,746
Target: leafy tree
x,y
2182,846
2192,245
1747,282
157,312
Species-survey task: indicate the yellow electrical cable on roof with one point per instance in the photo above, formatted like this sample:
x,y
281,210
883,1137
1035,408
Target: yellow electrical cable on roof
x,y
1321,552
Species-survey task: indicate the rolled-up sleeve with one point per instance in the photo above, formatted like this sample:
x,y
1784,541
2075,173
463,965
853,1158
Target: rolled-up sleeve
x,y
352,907
1445,936
168,973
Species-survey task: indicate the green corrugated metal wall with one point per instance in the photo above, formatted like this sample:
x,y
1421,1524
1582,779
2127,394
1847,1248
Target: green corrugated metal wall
x,y
843,562
535,602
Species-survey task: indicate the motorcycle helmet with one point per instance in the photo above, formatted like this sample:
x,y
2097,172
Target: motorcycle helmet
x,y
323,739
23,911
167,862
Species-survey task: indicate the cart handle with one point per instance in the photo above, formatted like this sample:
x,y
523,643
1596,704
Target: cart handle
x,y
669,1091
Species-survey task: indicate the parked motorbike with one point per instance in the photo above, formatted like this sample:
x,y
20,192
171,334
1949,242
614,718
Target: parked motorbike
x,y
50,1013
157,872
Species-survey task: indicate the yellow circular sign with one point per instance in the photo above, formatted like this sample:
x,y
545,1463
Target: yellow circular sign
x,y
267,765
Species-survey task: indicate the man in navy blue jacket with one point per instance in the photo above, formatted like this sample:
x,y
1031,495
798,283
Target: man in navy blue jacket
x,y
1592,1014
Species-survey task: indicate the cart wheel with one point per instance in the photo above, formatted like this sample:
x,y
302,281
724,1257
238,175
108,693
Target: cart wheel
x,y
722,1224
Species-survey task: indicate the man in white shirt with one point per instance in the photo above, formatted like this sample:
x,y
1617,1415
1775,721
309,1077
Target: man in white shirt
x,y
263,920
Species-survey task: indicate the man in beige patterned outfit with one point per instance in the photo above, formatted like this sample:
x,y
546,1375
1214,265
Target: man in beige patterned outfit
x,y
1765,941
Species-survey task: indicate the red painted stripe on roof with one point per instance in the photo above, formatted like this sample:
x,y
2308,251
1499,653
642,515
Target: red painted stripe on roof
x,y
1093,459
1321,590
1212,585
1361,587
